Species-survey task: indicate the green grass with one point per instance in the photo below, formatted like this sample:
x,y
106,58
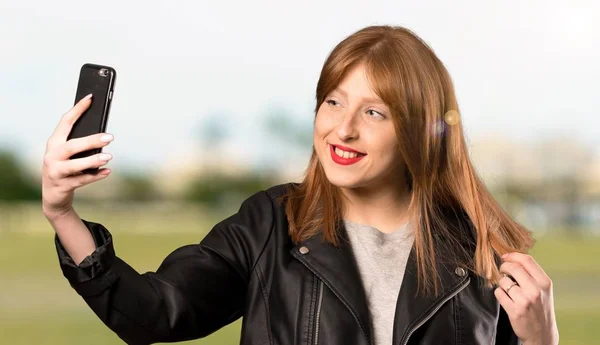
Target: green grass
x,y
579,326
81,327
37,306
565,255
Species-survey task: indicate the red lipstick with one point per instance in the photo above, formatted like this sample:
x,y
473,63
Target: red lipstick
x,y
344,161
347,149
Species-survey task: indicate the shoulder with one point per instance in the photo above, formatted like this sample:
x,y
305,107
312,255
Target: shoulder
x,y
277,191
264,202
259,211
268,201
460,226
242,237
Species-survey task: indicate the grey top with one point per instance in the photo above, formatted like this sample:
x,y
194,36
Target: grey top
x,y
381,259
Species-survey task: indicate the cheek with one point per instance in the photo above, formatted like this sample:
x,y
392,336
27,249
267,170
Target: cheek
x,y
322,125
387,148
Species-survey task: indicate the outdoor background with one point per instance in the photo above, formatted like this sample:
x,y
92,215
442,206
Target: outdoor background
x,y
214,101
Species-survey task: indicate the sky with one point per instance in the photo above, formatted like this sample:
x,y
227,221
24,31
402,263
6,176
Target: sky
x,y
521,69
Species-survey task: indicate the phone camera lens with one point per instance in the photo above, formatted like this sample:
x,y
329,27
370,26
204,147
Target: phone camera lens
x,y
103,72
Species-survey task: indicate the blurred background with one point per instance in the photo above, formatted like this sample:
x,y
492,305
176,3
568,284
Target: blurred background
x,y
214,101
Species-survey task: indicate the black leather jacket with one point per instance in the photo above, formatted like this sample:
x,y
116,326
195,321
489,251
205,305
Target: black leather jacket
x,y
247,266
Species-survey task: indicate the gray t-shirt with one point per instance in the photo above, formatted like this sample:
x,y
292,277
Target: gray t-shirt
x,y
381,259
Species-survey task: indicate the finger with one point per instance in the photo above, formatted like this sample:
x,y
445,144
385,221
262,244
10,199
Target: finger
x,y
505,301
68,119
77,145
515,292
81,180
532,267
520,275
69,168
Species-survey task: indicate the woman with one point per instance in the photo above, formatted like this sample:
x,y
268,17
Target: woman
x,y
391,238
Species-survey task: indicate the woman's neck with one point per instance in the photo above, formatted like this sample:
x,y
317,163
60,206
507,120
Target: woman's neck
x,y
385,208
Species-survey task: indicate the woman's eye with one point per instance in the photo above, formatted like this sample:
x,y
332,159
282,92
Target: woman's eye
x,y
331,102
378,114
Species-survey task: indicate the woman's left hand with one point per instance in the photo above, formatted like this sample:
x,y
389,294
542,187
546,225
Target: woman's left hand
x,y
530,302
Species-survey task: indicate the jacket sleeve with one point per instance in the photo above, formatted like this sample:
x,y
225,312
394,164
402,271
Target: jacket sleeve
x,y
196,290
504,331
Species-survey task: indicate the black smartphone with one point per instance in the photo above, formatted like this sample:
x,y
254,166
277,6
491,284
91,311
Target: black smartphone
x,y
98,80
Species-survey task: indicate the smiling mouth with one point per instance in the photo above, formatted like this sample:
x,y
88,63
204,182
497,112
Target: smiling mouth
x,y
345,154
344,158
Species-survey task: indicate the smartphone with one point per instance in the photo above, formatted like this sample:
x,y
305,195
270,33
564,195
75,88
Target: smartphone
x,y
98,80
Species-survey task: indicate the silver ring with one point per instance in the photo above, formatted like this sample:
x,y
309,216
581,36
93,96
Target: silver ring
x,y
513,284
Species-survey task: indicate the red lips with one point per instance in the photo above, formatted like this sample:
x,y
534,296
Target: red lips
x,y
342,160
348,149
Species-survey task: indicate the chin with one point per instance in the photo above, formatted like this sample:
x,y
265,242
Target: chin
x,y
348,181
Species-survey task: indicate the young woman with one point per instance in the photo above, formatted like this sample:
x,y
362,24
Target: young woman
x,y
391,238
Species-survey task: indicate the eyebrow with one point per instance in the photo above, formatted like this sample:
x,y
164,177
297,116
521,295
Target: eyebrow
x,y
366,99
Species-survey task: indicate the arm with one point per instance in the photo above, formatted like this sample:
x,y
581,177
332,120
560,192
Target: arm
x,y
196,290
73,234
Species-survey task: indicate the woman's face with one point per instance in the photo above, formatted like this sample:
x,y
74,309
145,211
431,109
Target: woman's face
x,y
354,117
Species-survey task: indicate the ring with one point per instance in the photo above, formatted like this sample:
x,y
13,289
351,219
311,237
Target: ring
x,y
513,284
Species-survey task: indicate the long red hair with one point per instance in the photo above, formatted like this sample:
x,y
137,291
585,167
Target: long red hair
x,y
406,74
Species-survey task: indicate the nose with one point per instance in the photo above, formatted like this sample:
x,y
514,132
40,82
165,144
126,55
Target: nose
x,y
347,128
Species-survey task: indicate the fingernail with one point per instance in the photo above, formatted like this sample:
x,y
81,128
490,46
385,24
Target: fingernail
x,y
105,156
88,96
106,138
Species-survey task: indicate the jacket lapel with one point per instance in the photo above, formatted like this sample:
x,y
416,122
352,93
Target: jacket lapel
x,y
337,268
413,310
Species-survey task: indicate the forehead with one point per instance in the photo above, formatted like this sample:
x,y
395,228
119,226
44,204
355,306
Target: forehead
x,y
356,84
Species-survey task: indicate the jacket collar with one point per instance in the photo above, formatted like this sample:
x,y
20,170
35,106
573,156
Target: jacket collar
x,y
411,309
337,268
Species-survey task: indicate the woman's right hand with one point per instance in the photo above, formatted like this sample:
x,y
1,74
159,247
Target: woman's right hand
x,y
61,175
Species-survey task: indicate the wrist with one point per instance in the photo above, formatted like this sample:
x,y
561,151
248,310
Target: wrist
x,y
56,215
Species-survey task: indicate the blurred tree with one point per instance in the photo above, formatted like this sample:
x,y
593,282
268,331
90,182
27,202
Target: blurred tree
x,y
136,187
15,181
214,130
289,138
217,190
286,127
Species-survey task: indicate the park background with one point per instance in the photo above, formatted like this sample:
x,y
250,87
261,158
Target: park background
x,y
214,101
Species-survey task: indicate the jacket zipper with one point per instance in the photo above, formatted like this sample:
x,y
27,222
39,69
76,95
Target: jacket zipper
x,y
434,310
303,261
318,312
